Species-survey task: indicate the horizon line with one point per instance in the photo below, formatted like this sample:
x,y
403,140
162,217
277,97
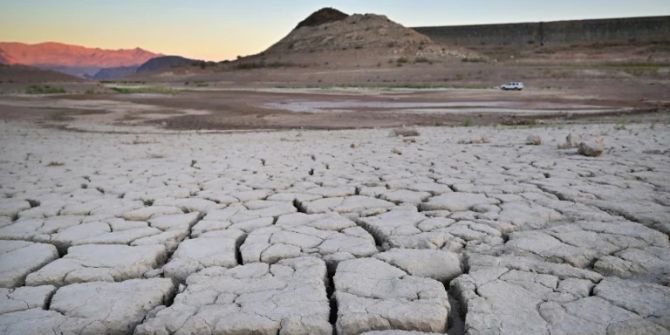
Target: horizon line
x,y
160,53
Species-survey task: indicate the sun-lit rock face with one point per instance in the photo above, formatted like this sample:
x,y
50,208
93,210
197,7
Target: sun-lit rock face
x,y
59,54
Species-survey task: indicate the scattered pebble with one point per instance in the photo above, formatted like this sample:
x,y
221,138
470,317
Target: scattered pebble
x,y
534,140
404,132
475,140
593,149
571,141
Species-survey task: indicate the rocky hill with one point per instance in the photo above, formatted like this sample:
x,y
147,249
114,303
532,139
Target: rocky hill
x,y
23,74
71,59
166,62
114,73
153,65
330,36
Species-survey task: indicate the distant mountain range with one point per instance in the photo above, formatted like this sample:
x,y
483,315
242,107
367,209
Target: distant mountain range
x,y
24,74
5,59
51,53
90,63
71,59
165,62
154,64
113,73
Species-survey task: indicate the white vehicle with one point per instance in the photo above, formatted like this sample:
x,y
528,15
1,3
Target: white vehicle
x,y
512,86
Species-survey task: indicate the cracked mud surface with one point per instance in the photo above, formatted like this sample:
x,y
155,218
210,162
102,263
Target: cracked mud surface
x,y
345,232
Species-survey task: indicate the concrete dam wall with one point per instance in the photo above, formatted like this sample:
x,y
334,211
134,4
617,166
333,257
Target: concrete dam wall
x,y
623,30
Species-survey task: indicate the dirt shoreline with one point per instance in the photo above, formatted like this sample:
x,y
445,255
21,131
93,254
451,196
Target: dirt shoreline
x,y
322,109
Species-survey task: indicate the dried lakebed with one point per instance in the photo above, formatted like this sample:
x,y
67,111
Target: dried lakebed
x,y
459,107
346,231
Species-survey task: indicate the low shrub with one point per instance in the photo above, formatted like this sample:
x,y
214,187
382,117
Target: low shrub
x,y
44,89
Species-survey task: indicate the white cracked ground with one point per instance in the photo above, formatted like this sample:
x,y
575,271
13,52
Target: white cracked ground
x,y
345,231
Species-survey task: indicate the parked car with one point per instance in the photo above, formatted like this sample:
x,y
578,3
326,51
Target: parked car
x,y
512,86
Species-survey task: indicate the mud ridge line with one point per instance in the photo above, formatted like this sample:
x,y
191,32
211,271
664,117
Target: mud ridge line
x,y
168,255
298,206
238,249
330,294
379,241
47,302
457,314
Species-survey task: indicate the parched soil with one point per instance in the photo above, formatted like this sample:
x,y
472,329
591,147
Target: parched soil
x,y
451,229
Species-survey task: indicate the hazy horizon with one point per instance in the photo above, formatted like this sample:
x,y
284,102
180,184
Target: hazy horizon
x,y
224,30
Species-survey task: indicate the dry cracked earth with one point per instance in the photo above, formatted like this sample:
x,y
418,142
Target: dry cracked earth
x,y
343,232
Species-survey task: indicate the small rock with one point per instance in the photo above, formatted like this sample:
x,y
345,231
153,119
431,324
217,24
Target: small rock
x,y
475,140
404,132
534,140
571,141
396,151
594,149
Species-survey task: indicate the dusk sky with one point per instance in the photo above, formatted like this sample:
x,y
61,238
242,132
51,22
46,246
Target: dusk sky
x,y
217,30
